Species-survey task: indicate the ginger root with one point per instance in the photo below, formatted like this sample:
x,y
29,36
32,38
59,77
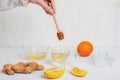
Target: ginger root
x,y
21,67
35,66
8,69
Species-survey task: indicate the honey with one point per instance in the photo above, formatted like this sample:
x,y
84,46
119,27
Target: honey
x,y
60,58
39,56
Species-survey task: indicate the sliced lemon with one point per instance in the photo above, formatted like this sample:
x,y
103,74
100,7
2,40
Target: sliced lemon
x,y
79,72
54,72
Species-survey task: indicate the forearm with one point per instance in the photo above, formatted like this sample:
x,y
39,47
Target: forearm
x,y
8,4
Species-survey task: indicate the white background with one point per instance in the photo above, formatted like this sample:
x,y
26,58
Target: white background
x,y
92,20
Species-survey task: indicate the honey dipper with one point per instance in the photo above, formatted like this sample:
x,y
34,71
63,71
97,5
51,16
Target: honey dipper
x,y
60,34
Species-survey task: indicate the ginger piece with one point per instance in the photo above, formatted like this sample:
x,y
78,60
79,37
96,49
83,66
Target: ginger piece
x,y
19,68
10,72
22,68
35,66
8,69
27,70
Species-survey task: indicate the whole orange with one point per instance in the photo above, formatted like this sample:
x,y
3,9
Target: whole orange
x,y
84,48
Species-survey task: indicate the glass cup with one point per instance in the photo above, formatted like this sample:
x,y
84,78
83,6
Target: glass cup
x,y
60,54
99,58
102,58
36,53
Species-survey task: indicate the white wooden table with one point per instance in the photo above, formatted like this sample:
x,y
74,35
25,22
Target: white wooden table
x,y
15,55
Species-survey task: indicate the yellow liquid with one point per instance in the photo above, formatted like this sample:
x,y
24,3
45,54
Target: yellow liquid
x,y
59,58
36,57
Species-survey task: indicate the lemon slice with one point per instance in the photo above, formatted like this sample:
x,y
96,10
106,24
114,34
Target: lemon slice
x,y
79,72
54,72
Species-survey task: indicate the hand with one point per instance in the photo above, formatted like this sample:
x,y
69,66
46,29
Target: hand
x,y
44,5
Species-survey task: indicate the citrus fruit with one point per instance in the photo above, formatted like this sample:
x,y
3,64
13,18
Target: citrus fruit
x,y
84,48
54,72
79,72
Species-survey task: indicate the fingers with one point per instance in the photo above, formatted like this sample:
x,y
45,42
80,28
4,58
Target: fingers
x,y
45,6
53,5
46,2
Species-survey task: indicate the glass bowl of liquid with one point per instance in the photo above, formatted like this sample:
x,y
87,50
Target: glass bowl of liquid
x,y
60,54
36,53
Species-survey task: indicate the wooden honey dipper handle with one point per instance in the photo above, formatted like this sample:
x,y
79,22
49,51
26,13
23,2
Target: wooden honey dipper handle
x,y
54,17
55,20
60,34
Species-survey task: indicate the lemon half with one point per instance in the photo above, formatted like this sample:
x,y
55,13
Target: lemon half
x,y
54,72
79,72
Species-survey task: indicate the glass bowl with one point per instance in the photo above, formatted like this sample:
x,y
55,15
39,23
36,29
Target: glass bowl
x,y
60,54
36,53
